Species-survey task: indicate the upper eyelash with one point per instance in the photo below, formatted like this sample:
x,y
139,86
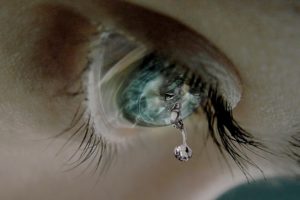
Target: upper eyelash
x,y
226,133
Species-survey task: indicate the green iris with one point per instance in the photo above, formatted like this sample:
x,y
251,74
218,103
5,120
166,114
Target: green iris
x,y
143,99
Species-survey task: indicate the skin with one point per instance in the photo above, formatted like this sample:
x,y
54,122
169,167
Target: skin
x,y
43,49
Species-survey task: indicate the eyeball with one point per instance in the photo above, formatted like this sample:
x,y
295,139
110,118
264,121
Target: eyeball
x,y
131,85
142,98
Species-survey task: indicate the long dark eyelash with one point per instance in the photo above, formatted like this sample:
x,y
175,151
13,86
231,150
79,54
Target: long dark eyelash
x,y
228,135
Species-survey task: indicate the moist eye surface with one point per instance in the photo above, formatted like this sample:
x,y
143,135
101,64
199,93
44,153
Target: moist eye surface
x,y
153,87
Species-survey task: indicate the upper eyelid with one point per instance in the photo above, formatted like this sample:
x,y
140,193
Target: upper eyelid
x,y
157,31
178,42
163,34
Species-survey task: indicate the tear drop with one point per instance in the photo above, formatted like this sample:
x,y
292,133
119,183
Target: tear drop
x,y
183,152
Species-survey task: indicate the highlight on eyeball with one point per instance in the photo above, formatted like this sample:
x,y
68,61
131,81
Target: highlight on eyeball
x,y
149,100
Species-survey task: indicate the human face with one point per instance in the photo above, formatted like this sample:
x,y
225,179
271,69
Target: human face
x,y
44,46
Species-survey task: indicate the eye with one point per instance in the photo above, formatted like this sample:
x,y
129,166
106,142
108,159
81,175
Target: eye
x,y
134,76
150,92
151,89
134,84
